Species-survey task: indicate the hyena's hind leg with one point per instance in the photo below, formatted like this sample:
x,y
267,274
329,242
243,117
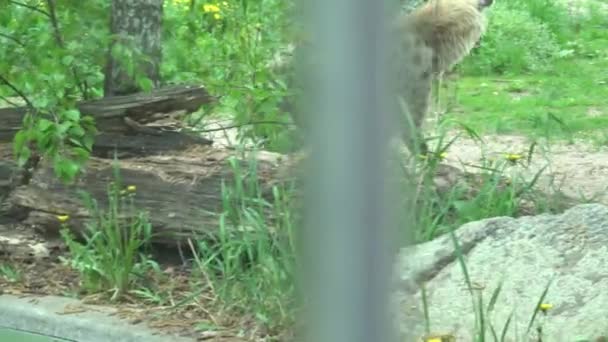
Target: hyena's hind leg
x,y
415,91
413,118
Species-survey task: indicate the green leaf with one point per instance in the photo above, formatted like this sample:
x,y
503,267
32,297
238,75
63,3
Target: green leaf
x,y
44,125
40,102
145,83
67,60
46,141
63,127
71,114
58,78
87,120
88,142
19,141
76,131
80,154
65,168
23,156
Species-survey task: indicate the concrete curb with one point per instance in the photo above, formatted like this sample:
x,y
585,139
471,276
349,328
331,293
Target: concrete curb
x,y
43,315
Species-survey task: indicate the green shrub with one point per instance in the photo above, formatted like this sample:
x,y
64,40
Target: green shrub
x,y
515,42
227,50
551,13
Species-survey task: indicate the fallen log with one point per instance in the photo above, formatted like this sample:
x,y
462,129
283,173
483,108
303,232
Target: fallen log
x,y
108,145
11,121
182,194
143,108
19,243
130,115
10,177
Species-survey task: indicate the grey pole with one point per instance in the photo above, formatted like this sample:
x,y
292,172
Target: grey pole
x,y
348,241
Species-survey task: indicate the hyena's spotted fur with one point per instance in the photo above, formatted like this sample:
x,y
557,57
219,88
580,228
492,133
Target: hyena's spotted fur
x,y
428,41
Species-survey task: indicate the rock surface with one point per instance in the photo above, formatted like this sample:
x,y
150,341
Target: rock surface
x,y
571,249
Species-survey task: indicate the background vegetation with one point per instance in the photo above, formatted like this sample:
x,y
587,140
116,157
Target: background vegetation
x,y
541,71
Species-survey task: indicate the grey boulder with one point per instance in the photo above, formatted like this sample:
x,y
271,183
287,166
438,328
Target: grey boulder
x,y
524,255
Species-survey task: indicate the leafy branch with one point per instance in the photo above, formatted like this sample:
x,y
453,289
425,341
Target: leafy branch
x,y
33,8
82,86
13,39
52,15
16,90
7,100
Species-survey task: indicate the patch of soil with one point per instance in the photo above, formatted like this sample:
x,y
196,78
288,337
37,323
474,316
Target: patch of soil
x,y
175,303
579,170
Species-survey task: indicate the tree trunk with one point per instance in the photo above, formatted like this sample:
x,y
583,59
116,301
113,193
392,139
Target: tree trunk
x,y
136,26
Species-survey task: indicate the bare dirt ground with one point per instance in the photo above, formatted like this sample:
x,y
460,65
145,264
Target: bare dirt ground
x,y
579,170
172,308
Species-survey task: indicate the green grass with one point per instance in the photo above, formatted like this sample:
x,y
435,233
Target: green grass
x,y
109,259
9,273
250,264
570,100
567,100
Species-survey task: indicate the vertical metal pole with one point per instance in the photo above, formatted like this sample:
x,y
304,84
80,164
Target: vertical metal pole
x,y
348,249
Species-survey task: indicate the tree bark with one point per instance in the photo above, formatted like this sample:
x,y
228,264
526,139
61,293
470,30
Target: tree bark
x,y
137,25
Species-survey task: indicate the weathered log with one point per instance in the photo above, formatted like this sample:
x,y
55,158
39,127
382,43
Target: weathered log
x,y
181,193
19,243
111,113
145,107
10,177
11,120
107,145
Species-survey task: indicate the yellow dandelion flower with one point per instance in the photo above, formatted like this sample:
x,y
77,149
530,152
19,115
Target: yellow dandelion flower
x,y
513,157
443,155
545,307
63,218
131,188
440,338
217,16
210,8
123,192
